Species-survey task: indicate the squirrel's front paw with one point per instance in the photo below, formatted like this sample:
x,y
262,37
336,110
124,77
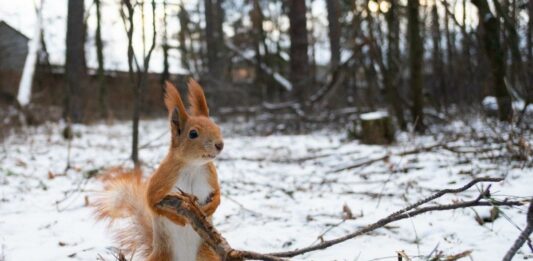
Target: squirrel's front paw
x,y
209,199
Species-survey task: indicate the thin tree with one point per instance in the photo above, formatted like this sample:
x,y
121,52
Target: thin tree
x,y
530,38
299,60
75,65
530,47
183,34
102,88
140,83
256,16
437,57
260,47
164,45
334,32
392,75
450,54
416,55
32,59
489,25
211,37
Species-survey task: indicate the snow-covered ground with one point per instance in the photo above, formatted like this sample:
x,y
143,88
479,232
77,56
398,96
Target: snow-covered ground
x,y
279,193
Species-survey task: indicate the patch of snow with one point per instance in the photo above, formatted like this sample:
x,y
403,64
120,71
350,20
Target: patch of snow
x,y
274,186
491,103
283,81
374,115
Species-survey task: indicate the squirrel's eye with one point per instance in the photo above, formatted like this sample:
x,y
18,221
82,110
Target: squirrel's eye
x,y
193,134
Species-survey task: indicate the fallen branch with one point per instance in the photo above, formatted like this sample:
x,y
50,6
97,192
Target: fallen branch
x,y
523,237
403,214
186,205
387,156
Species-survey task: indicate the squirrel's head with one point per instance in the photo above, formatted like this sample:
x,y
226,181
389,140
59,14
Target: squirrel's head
x,y
196,139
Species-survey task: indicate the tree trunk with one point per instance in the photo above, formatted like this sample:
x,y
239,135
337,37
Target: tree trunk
x,y
416,55
512,42
311,42
392,76
450,72
257,28
75,62
164,45
466,48
210,37
530,37
299,60
490,32
102,88
530,47
356,25
334,32
214,18
141,74
135,84
32,59
183,18
437,59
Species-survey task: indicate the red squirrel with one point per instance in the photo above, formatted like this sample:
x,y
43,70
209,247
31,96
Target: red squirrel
x,y
151,233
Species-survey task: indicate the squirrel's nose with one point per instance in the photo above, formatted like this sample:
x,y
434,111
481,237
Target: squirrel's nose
x,y
219,146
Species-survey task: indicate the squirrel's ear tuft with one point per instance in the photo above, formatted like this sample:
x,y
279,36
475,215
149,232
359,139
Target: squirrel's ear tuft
x,y
197,99
176,110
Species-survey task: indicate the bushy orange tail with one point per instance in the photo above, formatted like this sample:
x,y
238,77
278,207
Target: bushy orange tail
x,y
123,204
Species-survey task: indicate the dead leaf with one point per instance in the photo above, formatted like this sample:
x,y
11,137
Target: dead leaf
x,y
403,256
346,212
21,163
478,218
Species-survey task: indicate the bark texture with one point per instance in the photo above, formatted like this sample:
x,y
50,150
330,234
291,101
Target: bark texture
x,y
75,66
299,60
416,55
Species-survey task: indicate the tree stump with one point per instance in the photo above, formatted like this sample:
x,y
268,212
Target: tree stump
x,y
377,128
490,106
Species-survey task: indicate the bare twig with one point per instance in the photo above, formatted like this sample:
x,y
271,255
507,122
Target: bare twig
x,y
387,156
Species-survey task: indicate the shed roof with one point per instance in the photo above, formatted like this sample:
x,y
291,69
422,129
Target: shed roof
x,y
4,24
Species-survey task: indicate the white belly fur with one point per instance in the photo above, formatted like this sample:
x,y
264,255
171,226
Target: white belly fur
x,y
183,239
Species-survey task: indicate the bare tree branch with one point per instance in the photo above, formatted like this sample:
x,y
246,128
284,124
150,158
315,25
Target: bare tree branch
x,y
523,237
186,205
402,215
386,156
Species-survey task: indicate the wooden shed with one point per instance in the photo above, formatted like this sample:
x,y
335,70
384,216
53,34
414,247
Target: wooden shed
x,y
13,48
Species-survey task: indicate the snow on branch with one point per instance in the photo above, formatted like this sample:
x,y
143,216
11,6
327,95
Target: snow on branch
x,y
186,205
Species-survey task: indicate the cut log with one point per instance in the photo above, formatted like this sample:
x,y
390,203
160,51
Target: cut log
x,y
377,128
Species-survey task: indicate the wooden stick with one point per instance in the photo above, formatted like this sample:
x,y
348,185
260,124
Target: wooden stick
x,y
523,237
